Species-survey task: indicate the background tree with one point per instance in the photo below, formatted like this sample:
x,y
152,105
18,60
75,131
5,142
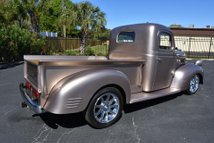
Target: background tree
x,y
22,19
19,20
54,14
175,26
16,42
88,18
49,13
102,34
67,16
22,12
17,14
31,7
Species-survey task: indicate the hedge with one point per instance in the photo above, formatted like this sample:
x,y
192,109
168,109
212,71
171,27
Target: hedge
x,y
16,42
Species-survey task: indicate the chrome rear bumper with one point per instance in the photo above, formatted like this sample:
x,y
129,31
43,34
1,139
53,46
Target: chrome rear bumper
x,y
31,103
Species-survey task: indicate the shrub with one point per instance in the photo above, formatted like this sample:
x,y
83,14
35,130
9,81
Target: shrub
x,y
89,52
71,53
16,42
98,50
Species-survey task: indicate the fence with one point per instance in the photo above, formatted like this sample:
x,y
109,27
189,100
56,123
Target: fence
x,y
194,47
60,45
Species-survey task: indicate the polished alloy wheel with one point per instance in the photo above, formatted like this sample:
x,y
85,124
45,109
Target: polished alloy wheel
x,y
106,108
194,84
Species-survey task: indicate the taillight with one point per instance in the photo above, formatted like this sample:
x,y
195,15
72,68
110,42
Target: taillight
x,y
28,86
33,91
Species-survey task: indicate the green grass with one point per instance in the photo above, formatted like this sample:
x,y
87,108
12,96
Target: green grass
x,y
71,52
98,50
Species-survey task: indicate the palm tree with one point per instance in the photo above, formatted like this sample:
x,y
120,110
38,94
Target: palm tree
x,y
20,11
56,15
67,15
88,18
17,13
7,12
32,11
2,3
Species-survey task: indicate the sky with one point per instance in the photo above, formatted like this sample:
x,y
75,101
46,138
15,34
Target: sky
x,y
166,12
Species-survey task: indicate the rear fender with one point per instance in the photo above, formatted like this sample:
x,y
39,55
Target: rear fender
x,y
184,74
73,93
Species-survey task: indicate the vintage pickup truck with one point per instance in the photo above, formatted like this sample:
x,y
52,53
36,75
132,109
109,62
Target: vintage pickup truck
x,y
143,63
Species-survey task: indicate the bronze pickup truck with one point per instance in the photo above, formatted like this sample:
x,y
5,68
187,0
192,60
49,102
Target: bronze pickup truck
x,y
143,63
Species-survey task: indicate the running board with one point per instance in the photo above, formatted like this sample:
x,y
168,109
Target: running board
x,y
142,96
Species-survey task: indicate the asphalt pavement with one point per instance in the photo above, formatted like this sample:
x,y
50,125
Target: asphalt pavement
x,y
174,119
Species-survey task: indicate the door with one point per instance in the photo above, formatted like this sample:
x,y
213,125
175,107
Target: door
x,y
165,61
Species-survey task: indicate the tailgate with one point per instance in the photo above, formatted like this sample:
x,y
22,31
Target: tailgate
x,y
31,73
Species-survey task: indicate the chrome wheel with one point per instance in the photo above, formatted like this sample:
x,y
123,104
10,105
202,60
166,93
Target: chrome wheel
x,y
106,108
194,84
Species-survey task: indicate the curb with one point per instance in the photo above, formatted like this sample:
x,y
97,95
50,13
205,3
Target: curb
x,y
5,66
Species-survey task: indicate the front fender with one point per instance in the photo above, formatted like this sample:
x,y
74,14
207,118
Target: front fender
x,y
73,93
184,74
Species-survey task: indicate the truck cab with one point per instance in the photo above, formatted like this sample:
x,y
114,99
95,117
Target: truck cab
x,y
152,43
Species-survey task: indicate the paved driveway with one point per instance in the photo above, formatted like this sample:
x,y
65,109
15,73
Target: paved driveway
x,y
175,119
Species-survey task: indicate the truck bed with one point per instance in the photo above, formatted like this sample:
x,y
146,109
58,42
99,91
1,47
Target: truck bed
x,y
48,70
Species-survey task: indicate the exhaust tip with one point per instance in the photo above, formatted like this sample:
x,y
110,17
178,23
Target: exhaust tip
x,y
24,105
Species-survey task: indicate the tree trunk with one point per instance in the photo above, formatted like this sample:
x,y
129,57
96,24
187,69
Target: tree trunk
x,y
82,44
34,21
64,30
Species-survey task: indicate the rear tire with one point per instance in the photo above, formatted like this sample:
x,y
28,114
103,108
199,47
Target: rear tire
x,y
105,108
193,85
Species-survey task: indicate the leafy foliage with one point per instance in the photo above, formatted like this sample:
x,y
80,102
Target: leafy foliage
x,y
88,18
54,14
22,12
21,20
15,42
78,19
175,26
99,50
102,34
71,53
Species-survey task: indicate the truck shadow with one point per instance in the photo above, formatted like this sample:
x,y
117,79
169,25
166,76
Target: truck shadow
x,y
65,120
145,104
77,119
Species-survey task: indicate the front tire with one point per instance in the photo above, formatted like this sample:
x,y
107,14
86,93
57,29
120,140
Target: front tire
x,y
193,85
105,108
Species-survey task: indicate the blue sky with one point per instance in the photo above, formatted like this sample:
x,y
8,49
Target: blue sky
x,y
166,12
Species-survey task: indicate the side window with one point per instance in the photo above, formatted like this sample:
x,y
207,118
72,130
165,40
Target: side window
x,y
165,41
126,37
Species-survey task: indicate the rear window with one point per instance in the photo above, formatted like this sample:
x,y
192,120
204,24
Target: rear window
x,y
126,37
165,41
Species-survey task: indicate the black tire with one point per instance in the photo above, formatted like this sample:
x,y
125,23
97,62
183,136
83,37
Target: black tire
x,y
105,108
194,85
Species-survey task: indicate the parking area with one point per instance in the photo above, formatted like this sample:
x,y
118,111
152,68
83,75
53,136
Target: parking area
x,y
173,119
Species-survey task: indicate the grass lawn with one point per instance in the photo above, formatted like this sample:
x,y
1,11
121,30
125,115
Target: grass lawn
x,y
98,50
